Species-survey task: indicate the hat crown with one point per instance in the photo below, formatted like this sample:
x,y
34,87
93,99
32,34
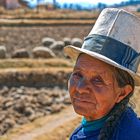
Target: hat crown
x,y
114,39
119,25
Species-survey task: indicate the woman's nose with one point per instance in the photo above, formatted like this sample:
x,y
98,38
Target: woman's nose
x,y
83,86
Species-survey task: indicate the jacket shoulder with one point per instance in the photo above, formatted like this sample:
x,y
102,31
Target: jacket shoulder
x,y
129,126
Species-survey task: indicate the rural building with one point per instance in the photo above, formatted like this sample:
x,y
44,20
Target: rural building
x,y
2,2
9,4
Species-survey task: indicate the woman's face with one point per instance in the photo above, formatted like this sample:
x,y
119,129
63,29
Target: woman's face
x,y
93,88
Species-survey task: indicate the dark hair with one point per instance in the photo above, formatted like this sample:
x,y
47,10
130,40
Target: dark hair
x,y
123,78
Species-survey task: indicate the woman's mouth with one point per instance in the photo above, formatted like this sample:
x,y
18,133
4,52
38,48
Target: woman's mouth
x,y
82,100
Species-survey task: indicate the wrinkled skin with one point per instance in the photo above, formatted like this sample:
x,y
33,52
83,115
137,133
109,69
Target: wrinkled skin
x,y
93,88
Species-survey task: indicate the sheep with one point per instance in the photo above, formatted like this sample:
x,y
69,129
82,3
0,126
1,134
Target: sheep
x,y
77,42
21,53
3,52
57,46
67,41
47,42
42,52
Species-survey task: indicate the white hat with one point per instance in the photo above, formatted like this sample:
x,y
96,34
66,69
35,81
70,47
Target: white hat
x,y
114,39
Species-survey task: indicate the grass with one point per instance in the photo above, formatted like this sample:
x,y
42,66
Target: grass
x,y
35,63
44,13
30,22
62,129
43,17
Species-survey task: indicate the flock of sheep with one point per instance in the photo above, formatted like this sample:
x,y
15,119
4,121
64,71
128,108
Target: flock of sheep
x,y
50,48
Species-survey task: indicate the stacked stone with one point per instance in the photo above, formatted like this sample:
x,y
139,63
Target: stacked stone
x,y
22,105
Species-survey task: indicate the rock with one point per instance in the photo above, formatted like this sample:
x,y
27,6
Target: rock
x,y
56,108
13,89
30,99
16,96
22,105
35,93
4,91
42,52
10,122
47,41
17,115
2,117
48,109
54,94
77,42
44,100
1,102
8,104
59,100
28,111
4,128
33,117
19,107
67,100
19,91
5,100
22,120
21,53
67,41
3,52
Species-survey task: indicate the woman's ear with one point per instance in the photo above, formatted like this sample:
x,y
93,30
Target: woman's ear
x,y
124,92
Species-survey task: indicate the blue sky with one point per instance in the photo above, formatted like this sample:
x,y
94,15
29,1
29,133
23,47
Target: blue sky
x,y
81,1
33,3
91,1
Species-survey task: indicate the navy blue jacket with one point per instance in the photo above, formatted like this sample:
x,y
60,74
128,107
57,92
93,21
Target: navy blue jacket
x,y
128,128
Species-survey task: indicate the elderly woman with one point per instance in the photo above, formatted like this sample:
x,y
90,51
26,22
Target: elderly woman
x,y
104,78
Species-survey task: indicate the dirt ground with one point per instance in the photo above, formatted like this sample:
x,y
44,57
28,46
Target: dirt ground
x,y
47,128
29,37
58,126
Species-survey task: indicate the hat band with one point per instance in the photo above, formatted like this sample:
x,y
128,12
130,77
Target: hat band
x,y
113,49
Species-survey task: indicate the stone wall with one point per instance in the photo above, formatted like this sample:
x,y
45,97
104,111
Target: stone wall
x,y
34,78
23,105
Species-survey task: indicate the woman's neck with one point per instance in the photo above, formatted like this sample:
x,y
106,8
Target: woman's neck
x,y
95,117
94,124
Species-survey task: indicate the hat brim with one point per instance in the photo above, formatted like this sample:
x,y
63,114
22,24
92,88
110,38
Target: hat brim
x,y
73,52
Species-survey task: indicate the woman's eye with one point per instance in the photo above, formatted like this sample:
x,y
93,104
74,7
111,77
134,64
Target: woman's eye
x,y
77,75
97,81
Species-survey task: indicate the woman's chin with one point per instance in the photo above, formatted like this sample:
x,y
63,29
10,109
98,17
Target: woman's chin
x,y
83,111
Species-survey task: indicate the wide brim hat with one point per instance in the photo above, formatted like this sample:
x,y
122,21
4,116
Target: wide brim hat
x,y
114,39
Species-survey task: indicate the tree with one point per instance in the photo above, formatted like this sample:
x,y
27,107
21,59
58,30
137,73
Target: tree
x,y
65,6
78,7
138,10
54,4
23,3
101,5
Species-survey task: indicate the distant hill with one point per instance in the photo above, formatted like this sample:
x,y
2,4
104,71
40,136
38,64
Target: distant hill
x,y
132,8
132,5
128,3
